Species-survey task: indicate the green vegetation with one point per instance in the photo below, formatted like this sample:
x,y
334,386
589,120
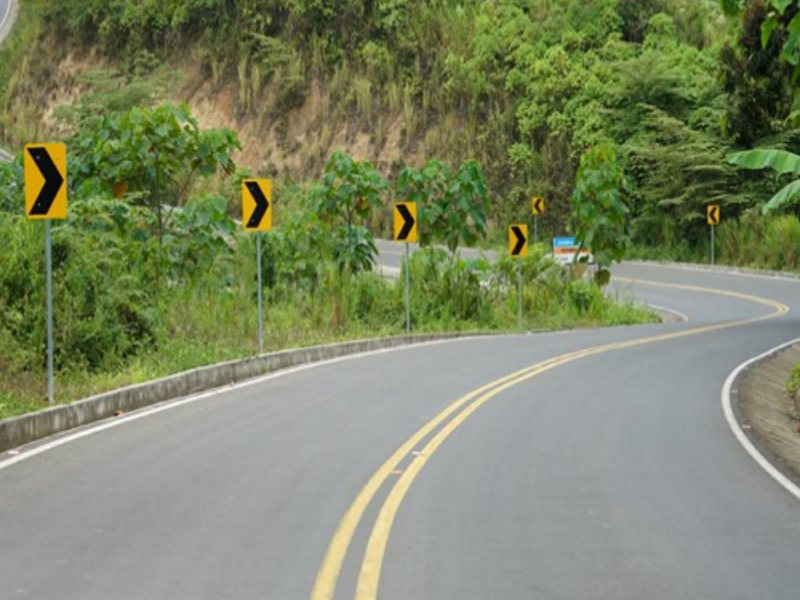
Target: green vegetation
x,y
162,279
622,113
524,88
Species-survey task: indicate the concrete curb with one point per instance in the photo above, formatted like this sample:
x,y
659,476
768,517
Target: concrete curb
x,y
717,269
32,427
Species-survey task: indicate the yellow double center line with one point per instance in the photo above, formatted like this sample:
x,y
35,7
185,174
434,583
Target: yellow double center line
x,y
369,576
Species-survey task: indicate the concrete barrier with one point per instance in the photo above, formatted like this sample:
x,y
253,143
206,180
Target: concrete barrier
x,y
29,428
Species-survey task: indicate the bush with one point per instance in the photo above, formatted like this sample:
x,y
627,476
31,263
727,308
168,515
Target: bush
x,y
98,320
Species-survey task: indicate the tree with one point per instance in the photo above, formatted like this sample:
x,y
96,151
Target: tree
x,y
454,206
156,152
348,193
599,213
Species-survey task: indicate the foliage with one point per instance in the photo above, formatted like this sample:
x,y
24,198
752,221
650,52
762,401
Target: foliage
x,y
599,214
200,237
348,193
155,151
354,249
455,206
100,320
522,87
781,162
755,79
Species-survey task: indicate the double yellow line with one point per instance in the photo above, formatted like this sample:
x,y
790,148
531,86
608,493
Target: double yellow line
x,y
447,422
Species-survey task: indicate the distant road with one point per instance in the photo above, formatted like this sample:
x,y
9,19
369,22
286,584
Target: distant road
x,y
392,253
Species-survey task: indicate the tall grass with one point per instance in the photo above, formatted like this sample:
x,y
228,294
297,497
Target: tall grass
x,y
761,242
200,321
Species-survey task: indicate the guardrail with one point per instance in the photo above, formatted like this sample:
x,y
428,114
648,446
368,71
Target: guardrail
x,y
6,156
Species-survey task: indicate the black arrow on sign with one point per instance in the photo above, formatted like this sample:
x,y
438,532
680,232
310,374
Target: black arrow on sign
x,y
262,205
539,207
408,224
52,182
715,214
521,241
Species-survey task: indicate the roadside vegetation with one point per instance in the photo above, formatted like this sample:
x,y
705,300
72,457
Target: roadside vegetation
x,y
152,275
628,116
525,88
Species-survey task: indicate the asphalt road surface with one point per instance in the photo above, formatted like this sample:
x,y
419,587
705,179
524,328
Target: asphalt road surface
x,y
604,474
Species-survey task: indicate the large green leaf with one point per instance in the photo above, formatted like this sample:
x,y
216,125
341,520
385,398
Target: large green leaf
x,y
786,196
780,161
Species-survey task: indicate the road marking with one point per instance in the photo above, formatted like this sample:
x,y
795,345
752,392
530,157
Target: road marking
x,y
38,447
369,577
8,13
670,311
719,270
727,408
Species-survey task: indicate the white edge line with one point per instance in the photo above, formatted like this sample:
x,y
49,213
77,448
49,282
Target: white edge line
x,y
111,422
781,277
8,13
669,311
40,447
754,453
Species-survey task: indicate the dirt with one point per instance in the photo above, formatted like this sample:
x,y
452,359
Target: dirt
x,y
296,142
770,411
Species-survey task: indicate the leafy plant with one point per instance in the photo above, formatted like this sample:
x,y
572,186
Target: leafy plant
x,y
454,205
780,161
156,152
599,213
350,190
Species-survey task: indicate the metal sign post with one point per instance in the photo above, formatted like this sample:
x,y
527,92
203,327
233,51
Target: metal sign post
x,y
519,286
406,229
45,167
538,211
712,245
518,248
408,289
713,218
49,260
257,217
260,297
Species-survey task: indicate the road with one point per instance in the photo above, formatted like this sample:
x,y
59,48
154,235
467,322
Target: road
x,y
610,474
392,253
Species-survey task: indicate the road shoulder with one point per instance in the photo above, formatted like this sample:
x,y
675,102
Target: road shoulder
x,y
769,416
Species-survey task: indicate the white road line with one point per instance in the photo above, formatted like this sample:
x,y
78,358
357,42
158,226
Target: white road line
x,y
40,448
690,268
670,311
754,453
8,14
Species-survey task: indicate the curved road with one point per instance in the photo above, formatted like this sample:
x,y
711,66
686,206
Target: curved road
x,y
607,473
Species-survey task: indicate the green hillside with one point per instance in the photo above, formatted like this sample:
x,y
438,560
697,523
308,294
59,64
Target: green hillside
x,y
623,114
523,86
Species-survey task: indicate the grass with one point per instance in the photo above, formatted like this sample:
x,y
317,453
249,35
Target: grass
x,y
200,326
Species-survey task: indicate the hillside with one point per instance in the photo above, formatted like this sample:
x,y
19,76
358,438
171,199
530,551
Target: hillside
x,y
523,86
